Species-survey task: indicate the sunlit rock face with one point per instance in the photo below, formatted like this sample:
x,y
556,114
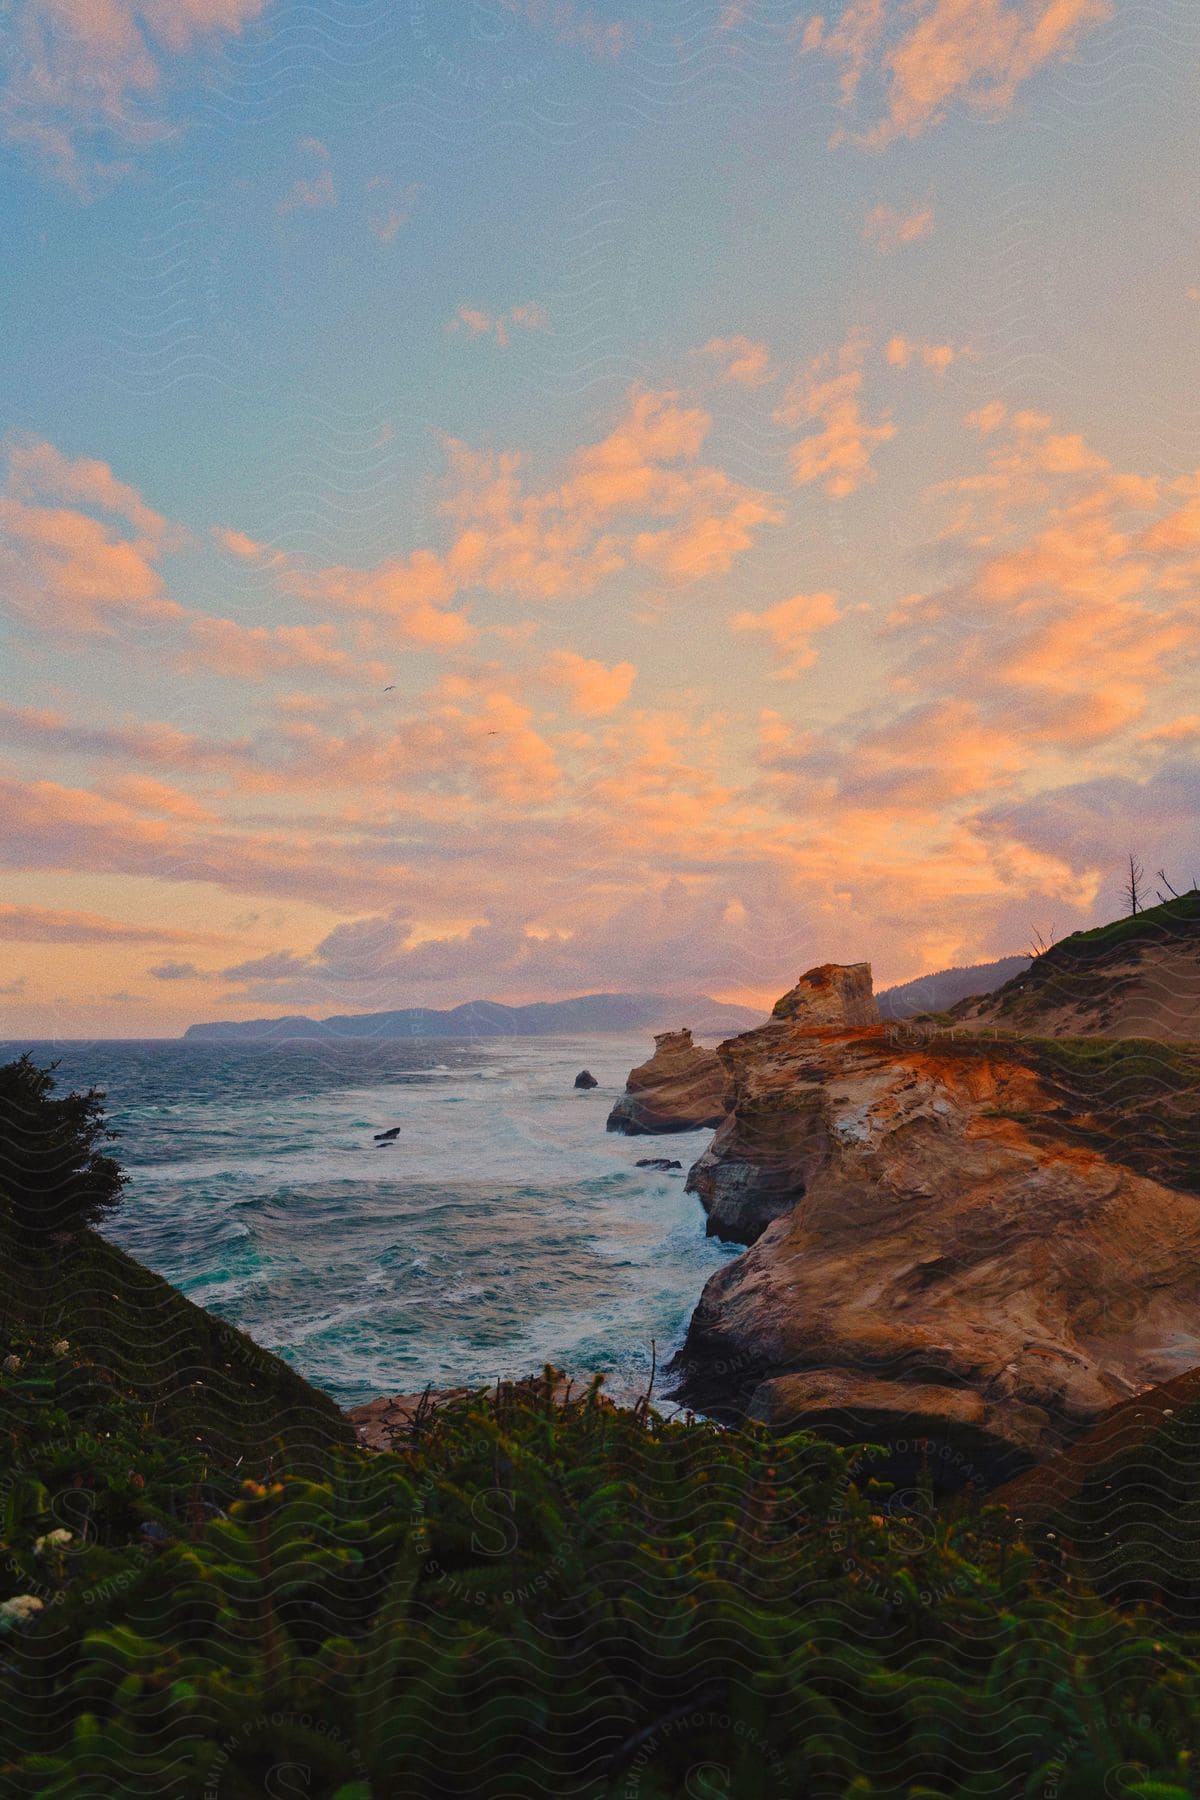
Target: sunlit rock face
x,y
834,994
681,1088
932,1250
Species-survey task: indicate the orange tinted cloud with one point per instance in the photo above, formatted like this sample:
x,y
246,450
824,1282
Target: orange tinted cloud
x,y
248,652
743,361
315,191
41,925
789,627
927,53
1065,622
477,323
140,743
406,595
839,454
887,229
66,570
147,795
902,351
593,688
575,25
565,539
83,69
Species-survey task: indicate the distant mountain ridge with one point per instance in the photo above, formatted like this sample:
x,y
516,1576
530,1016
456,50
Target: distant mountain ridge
x,y
945,988
491,1018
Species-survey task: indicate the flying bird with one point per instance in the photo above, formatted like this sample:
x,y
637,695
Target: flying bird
x,y
390,689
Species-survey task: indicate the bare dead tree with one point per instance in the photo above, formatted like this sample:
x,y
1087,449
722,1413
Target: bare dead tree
x,y
1162,876
1133,887
1039,943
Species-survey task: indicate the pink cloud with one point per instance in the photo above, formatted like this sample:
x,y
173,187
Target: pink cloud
x,y
148,742
66,570
840,453
743,362
1011,632
311,192
926,54
789,627
575,26
888,229
477,323
594,688
249,652
392,206
901,352
41,925
89,73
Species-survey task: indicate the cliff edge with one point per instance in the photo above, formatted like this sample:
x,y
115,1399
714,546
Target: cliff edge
x,y
944,1240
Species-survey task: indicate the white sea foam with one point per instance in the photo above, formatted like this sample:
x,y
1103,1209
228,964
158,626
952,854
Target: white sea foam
x,y
504,1228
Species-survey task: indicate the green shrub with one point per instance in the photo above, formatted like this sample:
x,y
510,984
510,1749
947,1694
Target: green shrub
x,y
54,1177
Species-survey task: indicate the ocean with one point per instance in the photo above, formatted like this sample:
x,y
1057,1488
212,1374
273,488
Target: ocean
x,y
504,1228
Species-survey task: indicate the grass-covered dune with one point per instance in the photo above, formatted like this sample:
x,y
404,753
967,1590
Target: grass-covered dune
x,y
1134,977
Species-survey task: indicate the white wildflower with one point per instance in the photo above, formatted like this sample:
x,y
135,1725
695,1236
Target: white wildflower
x,y
53,1540
12,1364
61,1348
22,1609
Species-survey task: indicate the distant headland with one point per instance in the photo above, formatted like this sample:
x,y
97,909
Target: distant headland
x,y
490,1018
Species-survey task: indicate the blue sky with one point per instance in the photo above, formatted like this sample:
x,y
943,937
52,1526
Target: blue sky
x,y
752,446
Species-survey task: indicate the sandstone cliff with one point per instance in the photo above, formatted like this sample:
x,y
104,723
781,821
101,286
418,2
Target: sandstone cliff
x,y
681,1088
944,1241
834,994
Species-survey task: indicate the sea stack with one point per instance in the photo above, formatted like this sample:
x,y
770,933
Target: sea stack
x,y
681,1088
585,1079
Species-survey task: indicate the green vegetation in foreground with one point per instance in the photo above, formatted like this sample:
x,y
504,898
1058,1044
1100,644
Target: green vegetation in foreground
x,y
539,1600
189,1376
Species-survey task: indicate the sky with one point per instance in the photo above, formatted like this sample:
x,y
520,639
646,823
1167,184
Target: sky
x,y
520,498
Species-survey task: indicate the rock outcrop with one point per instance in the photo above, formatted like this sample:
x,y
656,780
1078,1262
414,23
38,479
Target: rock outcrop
x,y
834,994
585,1079
681,1088
934,1249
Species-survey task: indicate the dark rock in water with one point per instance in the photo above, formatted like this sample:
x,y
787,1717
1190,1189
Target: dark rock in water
x,y
585,1079
657,1162
387,1137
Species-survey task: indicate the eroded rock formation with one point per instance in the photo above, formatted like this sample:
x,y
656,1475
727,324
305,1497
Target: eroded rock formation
x,y
681,1088
933,1250
834,994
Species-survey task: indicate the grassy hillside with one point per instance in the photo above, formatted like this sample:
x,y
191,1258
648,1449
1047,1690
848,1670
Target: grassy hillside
x,y
132,1335
1094,978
